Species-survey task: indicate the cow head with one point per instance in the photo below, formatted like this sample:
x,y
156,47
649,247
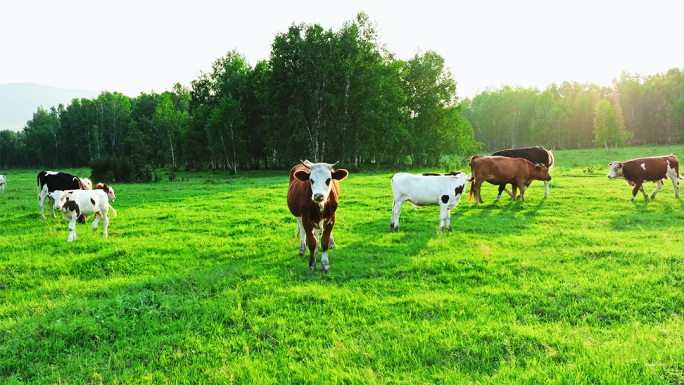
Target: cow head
x,y
320,176
85,183
542,171
60,197
615,170
107,189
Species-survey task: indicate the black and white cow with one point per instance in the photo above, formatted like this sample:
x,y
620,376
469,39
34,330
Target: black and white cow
x,y
3,182
74,203
50,181
536,155
444,190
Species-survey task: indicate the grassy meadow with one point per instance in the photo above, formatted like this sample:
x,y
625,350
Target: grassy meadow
x,y
200,282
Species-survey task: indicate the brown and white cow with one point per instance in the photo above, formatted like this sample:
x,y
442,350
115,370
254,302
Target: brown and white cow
x,y
653,169
312,198
501,170
536,155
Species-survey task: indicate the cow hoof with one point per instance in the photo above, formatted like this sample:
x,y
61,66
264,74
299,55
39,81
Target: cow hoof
x,y
312,267
449,228
325,270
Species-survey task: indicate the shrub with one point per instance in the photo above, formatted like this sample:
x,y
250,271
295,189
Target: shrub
x,y
120,170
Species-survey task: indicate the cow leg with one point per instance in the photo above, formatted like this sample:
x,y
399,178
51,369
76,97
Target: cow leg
x,y
396,212
477,184
302,236
317,234
674,175
638,187
444,217
312,242
325,239
659,185
331,244
502,187
522,187
546,189
105,224
72,227
41,200
98,216
675,183
514,190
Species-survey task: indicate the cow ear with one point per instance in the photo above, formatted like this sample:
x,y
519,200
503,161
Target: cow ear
x,y
302,175
340,174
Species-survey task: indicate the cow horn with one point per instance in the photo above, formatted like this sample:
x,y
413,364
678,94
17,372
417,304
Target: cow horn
x,y
334,164
306,163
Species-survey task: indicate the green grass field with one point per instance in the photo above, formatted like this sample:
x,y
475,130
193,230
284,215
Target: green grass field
x,y
199,282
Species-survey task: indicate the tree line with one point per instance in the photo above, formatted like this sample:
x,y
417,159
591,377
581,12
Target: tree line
x,y
336,96
636,110
323,95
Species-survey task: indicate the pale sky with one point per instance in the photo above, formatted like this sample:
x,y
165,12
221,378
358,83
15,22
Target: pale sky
x,y
134,46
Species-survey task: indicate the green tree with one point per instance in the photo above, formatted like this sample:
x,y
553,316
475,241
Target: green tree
x,y
608,126
41,138
11,150
430,92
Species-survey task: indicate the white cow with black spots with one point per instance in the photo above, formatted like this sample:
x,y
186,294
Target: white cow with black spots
x,y
74,203
444,190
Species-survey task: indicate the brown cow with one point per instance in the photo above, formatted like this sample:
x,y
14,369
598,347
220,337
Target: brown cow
x,y
653,169
536,155
312,198
501,170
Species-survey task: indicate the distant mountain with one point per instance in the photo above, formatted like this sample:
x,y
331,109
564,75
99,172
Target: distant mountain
x,y
18,101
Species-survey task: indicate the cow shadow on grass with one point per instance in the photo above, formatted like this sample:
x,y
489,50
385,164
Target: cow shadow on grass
x,y
657,214
371,248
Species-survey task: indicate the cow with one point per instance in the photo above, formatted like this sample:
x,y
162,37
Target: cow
x,y
652,169
50,181
444,190
75,203
501,170
3,182
536,155
103,186
312,197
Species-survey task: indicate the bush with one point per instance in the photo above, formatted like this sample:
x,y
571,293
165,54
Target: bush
x,y
120,170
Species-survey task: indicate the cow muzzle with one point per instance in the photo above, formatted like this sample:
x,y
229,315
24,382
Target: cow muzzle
x,y
318,197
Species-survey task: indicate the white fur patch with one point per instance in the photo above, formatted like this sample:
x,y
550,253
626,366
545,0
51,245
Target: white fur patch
x,y
643,165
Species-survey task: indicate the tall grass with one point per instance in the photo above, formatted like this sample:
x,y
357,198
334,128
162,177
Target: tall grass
x,y
200,282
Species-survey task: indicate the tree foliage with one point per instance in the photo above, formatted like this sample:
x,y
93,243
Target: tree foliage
x,y
647,109
331,96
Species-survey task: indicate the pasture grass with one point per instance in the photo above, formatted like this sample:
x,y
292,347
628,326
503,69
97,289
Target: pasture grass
x,y
200,282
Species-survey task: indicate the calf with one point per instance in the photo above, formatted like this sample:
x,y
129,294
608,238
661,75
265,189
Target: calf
x,y
103,186
444,190
50,181
501,170
536,155
653,169
3,182
74,203
312,198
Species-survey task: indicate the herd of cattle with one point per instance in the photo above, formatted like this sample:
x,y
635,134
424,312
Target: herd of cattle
x,y
313,191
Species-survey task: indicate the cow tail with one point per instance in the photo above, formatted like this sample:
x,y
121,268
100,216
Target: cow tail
x,y
552,160
470,194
